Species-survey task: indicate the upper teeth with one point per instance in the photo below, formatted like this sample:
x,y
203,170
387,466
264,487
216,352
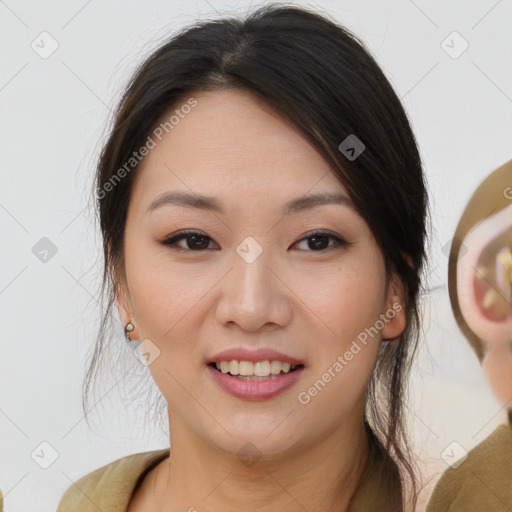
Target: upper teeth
x,y
258,368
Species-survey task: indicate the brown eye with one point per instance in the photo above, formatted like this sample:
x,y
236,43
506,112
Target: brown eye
x,y
319,241
195,241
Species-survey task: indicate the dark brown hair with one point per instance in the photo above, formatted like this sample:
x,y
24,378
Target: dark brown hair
x,y
321,78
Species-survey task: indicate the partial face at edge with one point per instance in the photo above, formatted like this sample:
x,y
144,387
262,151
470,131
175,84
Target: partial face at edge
x,y
484,271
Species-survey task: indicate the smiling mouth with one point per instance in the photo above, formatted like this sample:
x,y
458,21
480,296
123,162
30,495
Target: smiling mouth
x,y
255,377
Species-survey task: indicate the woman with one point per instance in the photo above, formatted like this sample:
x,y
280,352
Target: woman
x,y
263,209
480,286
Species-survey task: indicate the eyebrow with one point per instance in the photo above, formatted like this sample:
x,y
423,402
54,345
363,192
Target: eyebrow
x,y
209,203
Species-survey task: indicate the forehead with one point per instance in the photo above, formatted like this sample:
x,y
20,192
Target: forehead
x,y
232,145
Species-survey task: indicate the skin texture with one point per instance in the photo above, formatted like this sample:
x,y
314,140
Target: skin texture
x,y
307,302
494,329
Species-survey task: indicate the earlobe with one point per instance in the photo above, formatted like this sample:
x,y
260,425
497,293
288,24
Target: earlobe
x,y
394,314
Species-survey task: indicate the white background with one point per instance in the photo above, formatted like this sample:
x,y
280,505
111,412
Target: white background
x,y
53,114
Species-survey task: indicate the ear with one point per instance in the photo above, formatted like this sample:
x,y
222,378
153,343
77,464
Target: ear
x,y
484,278
394,311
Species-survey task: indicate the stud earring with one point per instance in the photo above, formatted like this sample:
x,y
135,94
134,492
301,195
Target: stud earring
x,y
127,330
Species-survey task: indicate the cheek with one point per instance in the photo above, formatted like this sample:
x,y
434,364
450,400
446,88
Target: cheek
x,y
342,313
165,295
168,301
497,367
348,298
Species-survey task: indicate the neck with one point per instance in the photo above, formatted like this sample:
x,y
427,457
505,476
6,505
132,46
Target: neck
x,y
322,476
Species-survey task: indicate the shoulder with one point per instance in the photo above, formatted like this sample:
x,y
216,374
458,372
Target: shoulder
x,y
481,480
110,487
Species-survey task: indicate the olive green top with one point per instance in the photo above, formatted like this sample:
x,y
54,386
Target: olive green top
x,y
111,487
483,481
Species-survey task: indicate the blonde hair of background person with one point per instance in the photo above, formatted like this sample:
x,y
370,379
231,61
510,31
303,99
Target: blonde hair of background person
x,y
213,240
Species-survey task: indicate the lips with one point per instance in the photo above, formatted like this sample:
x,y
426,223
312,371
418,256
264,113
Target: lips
x,y
255,389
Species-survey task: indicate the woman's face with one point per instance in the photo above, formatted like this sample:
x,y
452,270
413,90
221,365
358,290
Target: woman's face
x,y
254,280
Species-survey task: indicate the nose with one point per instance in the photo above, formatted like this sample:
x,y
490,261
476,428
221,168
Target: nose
x,y
254,296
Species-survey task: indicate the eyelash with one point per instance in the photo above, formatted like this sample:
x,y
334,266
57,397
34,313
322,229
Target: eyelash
x,y
171,241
